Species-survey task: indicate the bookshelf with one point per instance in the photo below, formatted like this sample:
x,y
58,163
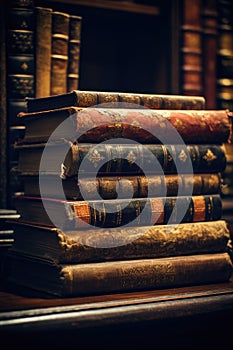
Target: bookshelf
x,y
126,46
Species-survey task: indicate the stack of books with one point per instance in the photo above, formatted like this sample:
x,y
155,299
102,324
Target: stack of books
x,y
121,193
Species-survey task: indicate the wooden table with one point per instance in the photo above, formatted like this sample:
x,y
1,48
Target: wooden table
x,y
184,318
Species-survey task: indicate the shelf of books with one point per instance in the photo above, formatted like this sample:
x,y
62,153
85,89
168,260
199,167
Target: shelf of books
x,y
120,218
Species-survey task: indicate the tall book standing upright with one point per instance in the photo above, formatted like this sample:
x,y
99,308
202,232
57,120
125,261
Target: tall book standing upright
x,y
74,51
143,269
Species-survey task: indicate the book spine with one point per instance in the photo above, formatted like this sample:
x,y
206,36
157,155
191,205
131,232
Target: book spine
x,y
115,213
43,50
74,52
191,48
20,50
92,98
118,243
192,126
210,37
59,59
144,274
20,68
100,124
110,187
225,56
133,159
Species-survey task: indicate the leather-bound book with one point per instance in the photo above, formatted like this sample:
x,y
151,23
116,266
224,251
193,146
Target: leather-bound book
x,y
71,215
191,48
65,280
210,45
111,159
110,187
59,59
113,99
112,244
142,125
74,51
43,49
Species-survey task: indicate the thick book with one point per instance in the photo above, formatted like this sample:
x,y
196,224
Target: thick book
x,y
110,187
59,51
142,125
68,159
91,98
74,51
55,245
67,280
72,214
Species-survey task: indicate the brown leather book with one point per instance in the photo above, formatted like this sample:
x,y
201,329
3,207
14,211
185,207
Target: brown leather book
x,y
43,48
119,276
110,187
81,246
191,48
74,51
91,98
210,44
142,125
59,60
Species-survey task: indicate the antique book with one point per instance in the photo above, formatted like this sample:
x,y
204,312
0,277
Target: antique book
x,y
72,214
79,246
67,280
20,53
225,55
110,187
142,125
210,43
59,58
91,98
43,49
74,48
20,69
68,159
191,48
